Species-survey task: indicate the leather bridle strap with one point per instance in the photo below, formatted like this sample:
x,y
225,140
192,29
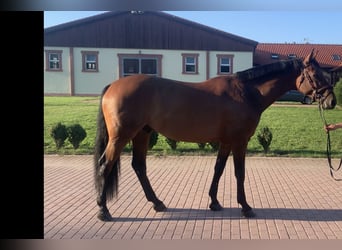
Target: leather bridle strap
x,y
317,93
306,75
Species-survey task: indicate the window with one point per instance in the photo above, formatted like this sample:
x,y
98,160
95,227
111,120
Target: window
x,y
53,60
90,61
224,64
190,63
149,66
139,64
336,57
131,66
292,56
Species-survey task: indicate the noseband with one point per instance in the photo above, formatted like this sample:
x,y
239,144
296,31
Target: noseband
x,y
317,93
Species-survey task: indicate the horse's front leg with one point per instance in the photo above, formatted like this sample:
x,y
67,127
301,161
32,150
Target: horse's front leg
x,y
219,167
239,154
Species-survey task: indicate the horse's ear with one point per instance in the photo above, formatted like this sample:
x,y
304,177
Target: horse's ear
x,y
310,57
316,52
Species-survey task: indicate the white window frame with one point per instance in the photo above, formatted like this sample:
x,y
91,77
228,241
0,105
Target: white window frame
x,y
194,64
220,64
94,64
56,61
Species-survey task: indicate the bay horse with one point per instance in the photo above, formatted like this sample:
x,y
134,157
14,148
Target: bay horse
x,y
224,109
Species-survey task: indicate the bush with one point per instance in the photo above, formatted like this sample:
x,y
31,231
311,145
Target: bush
x,y
153,139
172,143
76,135
59,134
201,145
265,138
214,145
338,92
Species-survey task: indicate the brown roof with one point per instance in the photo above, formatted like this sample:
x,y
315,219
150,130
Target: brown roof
x,y
143,29
329,56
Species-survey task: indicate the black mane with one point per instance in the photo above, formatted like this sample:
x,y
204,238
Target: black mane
x,y
260,71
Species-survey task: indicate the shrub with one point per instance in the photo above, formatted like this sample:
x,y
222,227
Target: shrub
x,y
59,134
338,92
76,135
172,143
265,138
153,139
214,145
201,145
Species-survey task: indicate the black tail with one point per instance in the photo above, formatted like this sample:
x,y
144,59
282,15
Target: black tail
x,y
111,185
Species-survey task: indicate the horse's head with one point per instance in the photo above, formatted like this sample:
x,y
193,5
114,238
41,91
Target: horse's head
x,y
312,82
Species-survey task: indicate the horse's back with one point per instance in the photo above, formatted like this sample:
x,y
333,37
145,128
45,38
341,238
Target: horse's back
x,y
184,111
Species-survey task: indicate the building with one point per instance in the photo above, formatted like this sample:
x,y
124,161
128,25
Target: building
x,y
329,56
83,56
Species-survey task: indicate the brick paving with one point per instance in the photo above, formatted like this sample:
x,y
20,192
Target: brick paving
x,y
294,198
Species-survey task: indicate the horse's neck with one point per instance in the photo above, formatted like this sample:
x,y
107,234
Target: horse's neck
x,y
273,88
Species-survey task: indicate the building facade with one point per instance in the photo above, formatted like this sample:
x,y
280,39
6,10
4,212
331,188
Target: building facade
x,y
83,56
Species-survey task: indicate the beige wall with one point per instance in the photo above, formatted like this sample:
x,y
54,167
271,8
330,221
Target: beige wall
x,y
58,82
92,83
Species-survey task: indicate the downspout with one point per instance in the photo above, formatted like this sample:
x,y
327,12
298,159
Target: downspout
x,y
207,65
72,71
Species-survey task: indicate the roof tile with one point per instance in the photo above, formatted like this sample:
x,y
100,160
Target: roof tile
x,y
324,57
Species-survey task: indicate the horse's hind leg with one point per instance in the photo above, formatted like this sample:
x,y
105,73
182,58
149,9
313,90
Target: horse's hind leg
x,y
140,147
104,178
107,177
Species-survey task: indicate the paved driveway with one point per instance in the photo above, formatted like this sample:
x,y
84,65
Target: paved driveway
x,y
294,198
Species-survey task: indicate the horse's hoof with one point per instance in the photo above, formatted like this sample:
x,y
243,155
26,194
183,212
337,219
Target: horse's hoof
x,y
104,216
215,207
248,214
160,207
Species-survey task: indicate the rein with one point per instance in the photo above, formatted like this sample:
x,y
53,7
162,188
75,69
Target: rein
x,y
317,94
331,168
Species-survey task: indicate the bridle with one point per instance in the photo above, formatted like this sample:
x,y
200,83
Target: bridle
x,y
317,94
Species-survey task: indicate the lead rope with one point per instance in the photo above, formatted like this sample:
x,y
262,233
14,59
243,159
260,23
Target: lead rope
x,y
329,146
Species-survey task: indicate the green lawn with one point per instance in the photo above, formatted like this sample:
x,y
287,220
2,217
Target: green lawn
x,y
297,130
